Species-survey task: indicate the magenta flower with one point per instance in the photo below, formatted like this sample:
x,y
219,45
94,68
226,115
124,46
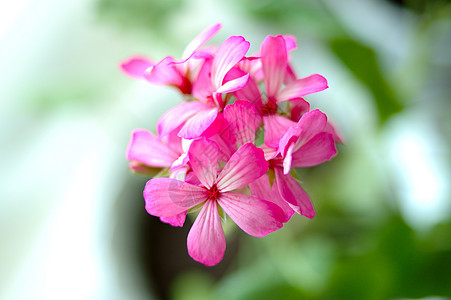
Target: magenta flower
x,y
243,121
262,189
146,149
211,83
169,71
198,116
166,197
304,145
308,143
280,86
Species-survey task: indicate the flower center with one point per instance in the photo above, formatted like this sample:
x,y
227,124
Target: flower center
x,y
213,193
269,108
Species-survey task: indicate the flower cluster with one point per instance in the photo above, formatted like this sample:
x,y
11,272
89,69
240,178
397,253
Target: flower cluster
x,y
229,148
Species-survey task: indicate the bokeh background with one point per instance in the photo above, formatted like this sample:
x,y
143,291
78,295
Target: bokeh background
x,y
72,217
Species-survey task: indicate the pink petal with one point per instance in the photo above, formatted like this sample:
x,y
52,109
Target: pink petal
x,y
136,66
146,148
290,75
192,178
203,158
173,140
301,87
289,139
179,173
166,197
291,191
311,124
260,188
317,150
202,84
177,220
244,121
275,127
233,85
290,42
206,241
270,153
228,87
308,126
298,107
177,115
220,127
164,73
288,159
180,162
197,124
201,39
274,63
254,216
252,66
225,147
246,164
229,53
206,52
249,92
220,133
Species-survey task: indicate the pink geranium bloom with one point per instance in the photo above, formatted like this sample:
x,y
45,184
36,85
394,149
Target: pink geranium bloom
x,y
166,197
262,189
299,107
253,64
144,148
274,56
308,143
243,121
304,145
276,73
169,71
198,116
211,83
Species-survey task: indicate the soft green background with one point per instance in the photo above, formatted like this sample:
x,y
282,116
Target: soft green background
x,y
72,219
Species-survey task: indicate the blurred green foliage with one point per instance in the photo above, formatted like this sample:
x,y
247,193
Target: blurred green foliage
x,y
363,64
290,13
394,263
148,14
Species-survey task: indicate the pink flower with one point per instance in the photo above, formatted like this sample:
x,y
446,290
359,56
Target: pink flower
x,y
262,189
211,83
166,197
277,72
243,121
304,145
198,116
308,143
168,71
275,67
146,151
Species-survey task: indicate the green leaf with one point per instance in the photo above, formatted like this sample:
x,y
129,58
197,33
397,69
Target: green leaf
x,y
363,64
